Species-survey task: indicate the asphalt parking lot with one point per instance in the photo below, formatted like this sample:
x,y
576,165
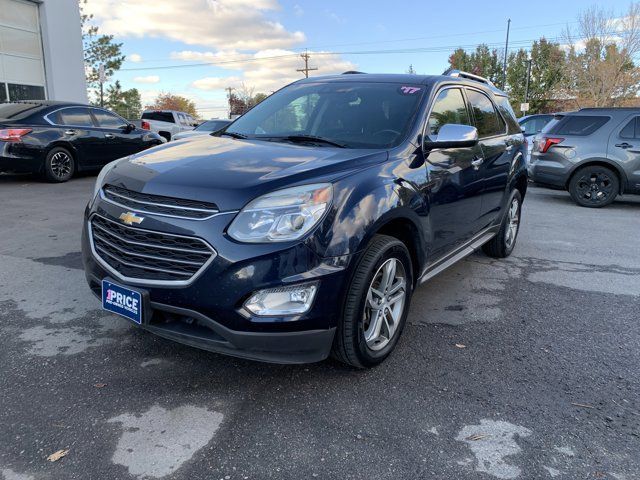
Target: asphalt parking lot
x,y
525,368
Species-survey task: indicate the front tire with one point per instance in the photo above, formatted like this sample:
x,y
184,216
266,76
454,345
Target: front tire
x,y
59,165
594,186
376,304
504,242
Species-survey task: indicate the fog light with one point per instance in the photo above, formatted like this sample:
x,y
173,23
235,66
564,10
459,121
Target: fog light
x,y
280,301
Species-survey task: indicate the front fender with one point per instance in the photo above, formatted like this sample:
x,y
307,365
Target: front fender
x,y
364,203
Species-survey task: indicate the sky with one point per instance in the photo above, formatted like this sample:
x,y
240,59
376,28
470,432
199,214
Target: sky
x,y
196,48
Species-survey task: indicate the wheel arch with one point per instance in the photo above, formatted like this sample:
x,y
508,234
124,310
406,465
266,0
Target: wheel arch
x,y
67,146
600,162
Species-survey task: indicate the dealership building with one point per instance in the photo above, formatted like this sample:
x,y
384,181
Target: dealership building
x,y
41,51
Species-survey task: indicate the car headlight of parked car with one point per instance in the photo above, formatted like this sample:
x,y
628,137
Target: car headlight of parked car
x,y
283,215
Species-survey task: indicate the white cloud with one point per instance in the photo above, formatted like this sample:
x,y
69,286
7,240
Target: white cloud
x,y
265,70
147,79
134,57
297,10
234,24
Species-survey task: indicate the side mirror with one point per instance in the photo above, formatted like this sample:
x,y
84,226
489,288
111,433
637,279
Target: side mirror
x,y
452,135
130,127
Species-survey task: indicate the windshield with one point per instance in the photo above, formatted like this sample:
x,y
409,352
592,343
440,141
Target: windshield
x,y
354,115
212,125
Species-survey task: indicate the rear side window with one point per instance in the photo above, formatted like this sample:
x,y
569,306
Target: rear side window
x,y
632,129
159,116
579,125
449,107
488,122
72,117
534,125
509,115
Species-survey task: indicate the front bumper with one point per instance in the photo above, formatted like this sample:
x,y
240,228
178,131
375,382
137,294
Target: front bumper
x,y
208,312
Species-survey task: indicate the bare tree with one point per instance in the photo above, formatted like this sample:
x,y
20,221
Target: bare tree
x,y
600,68
245,93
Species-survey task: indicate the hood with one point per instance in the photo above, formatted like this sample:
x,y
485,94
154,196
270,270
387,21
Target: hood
x,y
190,133
230,172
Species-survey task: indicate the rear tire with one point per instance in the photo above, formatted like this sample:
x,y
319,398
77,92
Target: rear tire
x,y
594,186
376,304
504,242
59,165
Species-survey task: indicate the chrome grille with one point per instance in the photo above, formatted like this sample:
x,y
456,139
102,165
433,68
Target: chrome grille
x,y
159,204
148,256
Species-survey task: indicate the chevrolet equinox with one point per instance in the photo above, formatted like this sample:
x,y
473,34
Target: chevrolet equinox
x,y
302,229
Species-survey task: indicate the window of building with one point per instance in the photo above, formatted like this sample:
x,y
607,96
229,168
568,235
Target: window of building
x,y
21,56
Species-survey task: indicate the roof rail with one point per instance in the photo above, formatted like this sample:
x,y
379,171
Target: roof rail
x,y
352,72
452,72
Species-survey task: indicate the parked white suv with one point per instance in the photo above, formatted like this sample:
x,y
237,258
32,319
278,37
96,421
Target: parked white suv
x,y
167,123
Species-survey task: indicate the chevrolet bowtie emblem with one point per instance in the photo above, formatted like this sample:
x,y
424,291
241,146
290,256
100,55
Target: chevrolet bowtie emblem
x,y
130,218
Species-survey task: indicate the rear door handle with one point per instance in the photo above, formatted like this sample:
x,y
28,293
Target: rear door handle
x,y
70,132
624,145
476,162
109,135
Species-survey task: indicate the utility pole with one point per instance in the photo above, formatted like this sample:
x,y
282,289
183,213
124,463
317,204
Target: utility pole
x,y
102,78
506,54
526,89
229,90
305,56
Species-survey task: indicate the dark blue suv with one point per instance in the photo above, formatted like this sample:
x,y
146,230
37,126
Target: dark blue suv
x,y
303,229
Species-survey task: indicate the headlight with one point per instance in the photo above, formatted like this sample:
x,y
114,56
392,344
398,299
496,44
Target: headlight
x,y
283,215
103,173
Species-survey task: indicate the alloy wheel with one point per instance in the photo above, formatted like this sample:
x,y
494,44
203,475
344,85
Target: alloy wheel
x,y
595,187
385,304
513,219
61,165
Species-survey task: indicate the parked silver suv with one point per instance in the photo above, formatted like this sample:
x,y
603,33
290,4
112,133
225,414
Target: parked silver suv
x,y
593,153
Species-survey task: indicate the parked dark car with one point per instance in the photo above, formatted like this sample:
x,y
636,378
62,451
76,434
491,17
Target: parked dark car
x,y
531,126
304,227
58,139
593,153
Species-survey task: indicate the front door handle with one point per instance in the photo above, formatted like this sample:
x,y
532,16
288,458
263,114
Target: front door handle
x,y
476,162
70,132
109,135
624,145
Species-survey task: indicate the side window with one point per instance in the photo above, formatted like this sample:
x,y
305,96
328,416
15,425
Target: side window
x,y
72,117
448,107
183,119
488,122
631,130
108,120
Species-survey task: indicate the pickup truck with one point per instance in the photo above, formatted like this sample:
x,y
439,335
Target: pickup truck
x,y
167,123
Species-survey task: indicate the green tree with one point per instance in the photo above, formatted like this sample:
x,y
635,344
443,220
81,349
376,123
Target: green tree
x,y
126,103
483,61
169,101
98,50
547,72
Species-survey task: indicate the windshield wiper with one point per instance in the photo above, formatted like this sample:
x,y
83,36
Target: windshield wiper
x,y
311,138
234,135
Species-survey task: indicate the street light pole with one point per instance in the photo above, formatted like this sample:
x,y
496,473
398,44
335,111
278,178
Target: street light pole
x,y
526,90
506,53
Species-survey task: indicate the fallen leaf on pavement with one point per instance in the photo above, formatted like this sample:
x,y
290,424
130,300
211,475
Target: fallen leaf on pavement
x,y
100,385
461,345
477,436
55,456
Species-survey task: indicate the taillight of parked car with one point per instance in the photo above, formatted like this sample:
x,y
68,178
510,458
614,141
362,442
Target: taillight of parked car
x,y
145,125
13,134
545,143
